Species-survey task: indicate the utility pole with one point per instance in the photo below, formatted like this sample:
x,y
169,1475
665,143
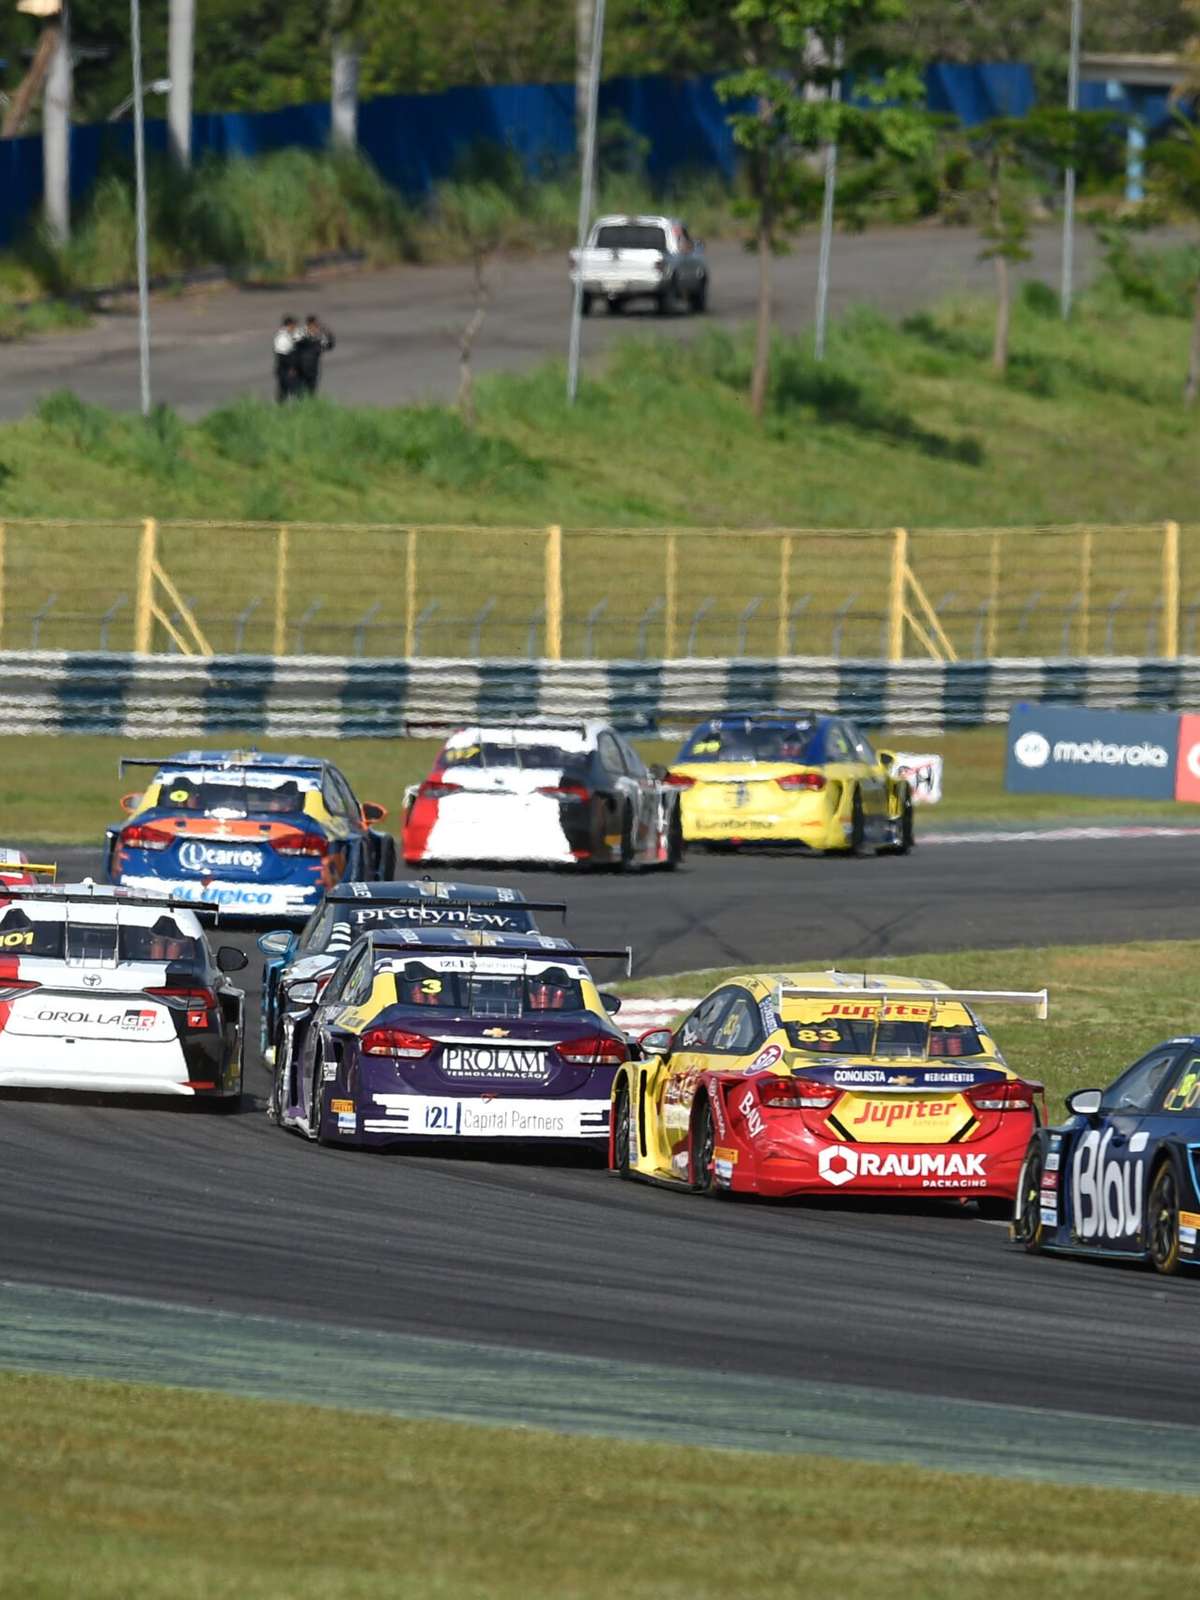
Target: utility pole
x,y
139,159
181,42
835,94
585,31
56,135
1068,244
344,15
586,179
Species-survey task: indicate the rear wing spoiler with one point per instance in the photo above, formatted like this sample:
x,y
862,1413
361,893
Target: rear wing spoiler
x,y
184,764
1037,999
47,868
104,895
572,952
347,897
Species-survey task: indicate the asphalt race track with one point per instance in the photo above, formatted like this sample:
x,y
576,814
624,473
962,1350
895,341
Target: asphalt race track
x,y
504,1249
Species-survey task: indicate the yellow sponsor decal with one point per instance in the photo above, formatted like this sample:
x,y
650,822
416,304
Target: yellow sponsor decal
x,y
461,753
902,1119
1189,1219
179,796
10,941
722,1154
341,1107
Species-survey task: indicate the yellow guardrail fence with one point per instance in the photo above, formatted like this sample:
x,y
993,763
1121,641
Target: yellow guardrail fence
x,y
200,588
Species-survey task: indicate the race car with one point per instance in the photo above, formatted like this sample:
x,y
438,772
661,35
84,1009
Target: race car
x,y
815,1083
1120,1177
784,778
258,835
455,1035
314,952
17,869
571,794
102,989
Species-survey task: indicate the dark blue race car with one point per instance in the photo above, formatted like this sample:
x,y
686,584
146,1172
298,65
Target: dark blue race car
x,y
258,835
1120,1178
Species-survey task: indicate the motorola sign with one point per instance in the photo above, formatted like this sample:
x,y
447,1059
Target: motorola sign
x,y
1071,750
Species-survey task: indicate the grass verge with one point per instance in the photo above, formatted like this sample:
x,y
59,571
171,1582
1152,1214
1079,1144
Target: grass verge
x,y
64,790
1109,1004
116,1489
902,424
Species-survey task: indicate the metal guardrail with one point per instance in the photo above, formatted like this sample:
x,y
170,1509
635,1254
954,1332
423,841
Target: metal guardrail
x,y
354,696
200,588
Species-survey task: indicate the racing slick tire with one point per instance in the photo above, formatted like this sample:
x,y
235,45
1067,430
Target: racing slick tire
x,y
1162,1221
627,851
622,1112
704,1144
674,841
698,298
316,1114
858,827
904,838
1027,1222
387,860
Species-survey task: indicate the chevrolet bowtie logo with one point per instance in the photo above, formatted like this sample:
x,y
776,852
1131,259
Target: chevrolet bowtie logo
x,y
904,1081
495,1033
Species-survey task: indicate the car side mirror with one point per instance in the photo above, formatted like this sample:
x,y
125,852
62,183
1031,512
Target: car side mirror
x,y
657,770
130,802
302,994
886,757
656,1041
1085,1102
231,959
610,1002
276,943
372,811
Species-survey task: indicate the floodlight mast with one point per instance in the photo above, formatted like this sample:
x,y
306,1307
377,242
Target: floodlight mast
x,y
1068,245
586,182
139,159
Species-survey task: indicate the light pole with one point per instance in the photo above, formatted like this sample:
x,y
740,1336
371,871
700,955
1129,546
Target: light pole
x,y
827,200
586,180
1068,245
139,160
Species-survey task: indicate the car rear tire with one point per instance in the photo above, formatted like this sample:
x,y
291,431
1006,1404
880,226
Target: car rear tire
x,y
1027,1226
622,1112
316,1110
704,1144
627,851
995,1208
698,298
1162,1221
904,840
585,303
387,860
674,841
858,826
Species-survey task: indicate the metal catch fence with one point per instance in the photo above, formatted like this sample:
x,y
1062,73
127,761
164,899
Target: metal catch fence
x,y
204,588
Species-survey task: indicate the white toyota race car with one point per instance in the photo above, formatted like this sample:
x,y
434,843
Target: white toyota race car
x,y
105,990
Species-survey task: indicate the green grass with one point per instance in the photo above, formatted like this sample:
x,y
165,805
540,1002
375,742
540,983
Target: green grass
x,y
64,790
903,425
1109,1004
115,1490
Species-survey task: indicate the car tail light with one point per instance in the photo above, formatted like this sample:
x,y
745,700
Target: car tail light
x,y
566,791
801,780
1010,1095
12,988
435,789
793,1093
291,842
145,836
679,780
594,1050
396,1042
197,1004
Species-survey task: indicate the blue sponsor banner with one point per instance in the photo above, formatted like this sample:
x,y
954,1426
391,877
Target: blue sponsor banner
x,y
1057,749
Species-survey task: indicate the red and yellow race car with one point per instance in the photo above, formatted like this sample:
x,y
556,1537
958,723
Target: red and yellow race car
x,y
815,1083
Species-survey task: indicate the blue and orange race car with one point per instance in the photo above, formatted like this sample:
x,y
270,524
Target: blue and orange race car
x,y
259,835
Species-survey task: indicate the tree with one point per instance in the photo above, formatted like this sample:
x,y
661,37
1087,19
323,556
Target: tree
x,y
1175,170
482,217
782,115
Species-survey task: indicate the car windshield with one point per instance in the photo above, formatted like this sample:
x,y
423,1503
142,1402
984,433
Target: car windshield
x,y
487,994
210,797
536,757
630,236
873,1034
753,741
101,944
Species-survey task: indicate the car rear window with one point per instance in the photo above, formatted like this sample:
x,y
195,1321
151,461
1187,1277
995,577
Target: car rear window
x,y
536,757
488,994
630,236
99,943
754,741
178,792
863,1036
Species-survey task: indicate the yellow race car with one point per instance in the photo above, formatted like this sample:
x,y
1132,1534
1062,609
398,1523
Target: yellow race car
x,y
780,778
819,1082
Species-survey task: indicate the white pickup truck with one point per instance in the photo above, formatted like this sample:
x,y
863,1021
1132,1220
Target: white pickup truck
x,y
630,258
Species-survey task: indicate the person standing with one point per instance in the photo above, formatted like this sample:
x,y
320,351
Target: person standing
x,y
314,340
287,381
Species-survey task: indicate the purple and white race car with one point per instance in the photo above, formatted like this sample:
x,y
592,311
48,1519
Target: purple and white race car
x,y
444,1033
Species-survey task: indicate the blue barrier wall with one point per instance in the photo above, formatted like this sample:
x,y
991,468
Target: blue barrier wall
x,y
416,139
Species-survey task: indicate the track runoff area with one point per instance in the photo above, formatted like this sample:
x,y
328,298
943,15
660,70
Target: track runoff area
x,y
498,1288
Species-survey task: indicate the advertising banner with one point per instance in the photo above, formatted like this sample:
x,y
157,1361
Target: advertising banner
x,y
1131,755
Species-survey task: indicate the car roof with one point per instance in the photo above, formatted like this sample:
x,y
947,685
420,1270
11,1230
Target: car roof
x,y
767,984
470,941
567,735
99,905
266,760
735,719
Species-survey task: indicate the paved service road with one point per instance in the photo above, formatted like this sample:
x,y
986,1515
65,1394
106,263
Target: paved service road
x,y
514,1250
397,330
